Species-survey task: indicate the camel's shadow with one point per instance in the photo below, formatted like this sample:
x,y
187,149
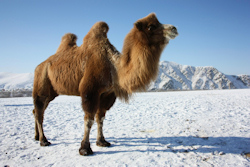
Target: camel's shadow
x,y
184,144
17,105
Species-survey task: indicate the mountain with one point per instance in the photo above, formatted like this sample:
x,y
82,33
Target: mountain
x,y
171,76
12,81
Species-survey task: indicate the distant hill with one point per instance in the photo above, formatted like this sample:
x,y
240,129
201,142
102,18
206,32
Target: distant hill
x,y
171,76
12,81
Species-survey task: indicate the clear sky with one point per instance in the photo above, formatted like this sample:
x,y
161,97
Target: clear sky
x,y
212,32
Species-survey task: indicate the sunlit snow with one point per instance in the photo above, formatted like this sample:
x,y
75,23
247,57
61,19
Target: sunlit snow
x,y
187,128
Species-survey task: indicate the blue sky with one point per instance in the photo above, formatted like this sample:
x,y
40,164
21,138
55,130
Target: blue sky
x,y
212,32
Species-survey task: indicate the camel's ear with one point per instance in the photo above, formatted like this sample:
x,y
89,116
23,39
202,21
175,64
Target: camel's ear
x,y
138,25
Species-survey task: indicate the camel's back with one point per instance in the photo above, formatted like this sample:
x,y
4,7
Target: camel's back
x,y
65,71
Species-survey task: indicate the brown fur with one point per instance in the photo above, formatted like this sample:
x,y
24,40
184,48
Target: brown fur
x,y
98,73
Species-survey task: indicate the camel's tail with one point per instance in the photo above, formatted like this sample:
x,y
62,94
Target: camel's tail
x,y
68,41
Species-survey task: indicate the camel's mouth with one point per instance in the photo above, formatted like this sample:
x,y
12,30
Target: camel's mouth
x,y
170,31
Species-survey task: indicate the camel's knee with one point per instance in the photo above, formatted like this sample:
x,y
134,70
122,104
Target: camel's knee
x,y
38,115
88,124
39,118
100,115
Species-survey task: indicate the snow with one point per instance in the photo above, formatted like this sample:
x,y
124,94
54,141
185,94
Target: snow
x,y
187,128
10,81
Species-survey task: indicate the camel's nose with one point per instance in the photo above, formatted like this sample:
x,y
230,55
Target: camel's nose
x,y
174,29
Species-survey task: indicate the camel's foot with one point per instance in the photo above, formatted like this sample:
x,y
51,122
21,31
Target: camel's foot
x,y
102,143
45,143
85,149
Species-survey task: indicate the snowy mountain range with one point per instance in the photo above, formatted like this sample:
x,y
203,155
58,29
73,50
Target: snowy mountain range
x,y
171,76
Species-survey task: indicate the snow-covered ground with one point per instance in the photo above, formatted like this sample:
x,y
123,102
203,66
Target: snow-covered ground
x,y
189,128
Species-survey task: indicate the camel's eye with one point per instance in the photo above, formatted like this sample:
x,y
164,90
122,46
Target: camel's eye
x,y
152,27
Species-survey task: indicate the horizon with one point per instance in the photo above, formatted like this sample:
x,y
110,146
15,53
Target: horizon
x,y
171,62
211,33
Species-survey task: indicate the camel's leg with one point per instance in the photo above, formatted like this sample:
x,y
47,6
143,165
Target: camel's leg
x,y
100,140
85,148
40,105
36,128
36,114
90,102
107,101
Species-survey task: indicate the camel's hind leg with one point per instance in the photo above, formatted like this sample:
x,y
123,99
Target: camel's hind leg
x,y
106,102
36,128
41,104
38,113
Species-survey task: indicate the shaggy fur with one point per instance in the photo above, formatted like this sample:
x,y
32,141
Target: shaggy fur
x,y
98,73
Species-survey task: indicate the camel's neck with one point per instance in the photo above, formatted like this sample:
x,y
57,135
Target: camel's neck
x,y
137,67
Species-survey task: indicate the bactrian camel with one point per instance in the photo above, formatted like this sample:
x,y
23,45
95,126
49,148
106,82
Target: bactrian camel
x,y
98,73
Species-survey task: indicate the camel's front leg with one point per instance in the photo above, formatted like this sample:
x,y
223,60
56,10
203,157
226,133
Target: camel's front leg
x,y
85,148
106,102
100,140
90,103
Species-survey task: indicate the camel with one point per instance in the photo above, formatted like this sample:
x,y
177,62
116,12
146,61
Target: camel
x,y
98,73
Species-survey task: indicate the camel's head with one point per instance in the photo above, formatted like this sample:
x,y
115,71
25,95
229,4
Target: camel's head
x,y
155,31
